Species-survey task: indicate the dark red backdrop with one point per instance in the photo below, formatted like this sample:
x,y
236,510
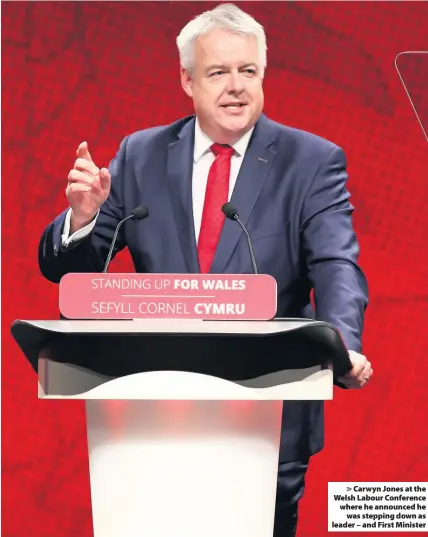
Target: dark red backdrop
x,y
97,71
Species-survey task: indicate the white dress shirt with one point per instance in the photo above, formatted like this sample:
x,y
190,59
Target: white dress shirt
x,y
203,157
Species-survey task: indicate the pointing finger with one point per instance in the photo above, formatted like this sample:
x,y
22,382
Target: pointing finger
x,y
83,152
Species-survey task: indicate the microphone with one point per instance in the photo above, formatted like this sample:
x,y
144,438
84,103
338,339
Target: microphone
x,y
233,214
137,214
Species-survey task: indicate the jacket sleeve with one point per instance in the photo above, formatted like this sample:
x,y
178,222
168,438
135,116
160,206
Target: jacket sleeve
x,y
331,251
90,253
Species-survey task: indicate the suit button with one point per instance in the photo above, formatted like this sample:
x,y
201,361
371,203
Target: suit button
x,y
55,249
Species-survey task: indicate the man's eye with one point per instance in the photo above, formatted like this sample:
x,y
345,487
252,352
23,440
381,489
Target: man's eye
x,y
216,73
250,71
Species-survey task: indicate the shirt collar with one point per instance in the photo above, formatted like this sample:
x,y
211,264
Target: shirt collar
x,y
204,142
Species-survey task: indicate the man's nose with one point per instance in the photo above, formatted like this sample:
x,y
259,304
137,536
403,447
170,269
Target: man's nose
x,y
235,82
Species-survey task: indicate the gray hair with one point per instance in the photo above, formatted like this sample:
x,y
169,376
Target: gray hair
x,y
228,17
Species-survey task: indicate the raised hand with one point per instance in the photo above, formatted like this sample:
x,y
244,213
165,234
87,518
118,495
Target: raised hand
x,y
88,188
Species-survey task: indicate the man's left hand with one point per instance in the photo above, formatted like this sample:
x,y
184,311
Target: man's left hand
x,y
360,374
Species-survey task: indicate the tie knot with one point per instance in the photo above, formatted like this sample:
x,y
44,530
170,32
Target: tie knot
x,y
222,150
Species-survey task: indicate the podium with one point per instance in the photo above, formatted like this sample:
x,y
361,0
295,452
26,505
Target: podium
x,y
183,417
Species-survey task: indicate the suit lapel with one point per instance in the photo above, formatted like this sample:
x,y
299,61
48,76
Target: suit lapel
x,y
179,171
253,173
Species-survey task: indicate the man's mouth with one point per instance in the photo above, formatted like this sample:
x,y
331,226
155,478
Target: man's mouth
x,y
233,105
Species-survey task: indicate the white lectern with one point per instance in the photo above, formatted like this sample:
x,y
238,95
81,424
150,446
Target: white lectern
x,y
183,417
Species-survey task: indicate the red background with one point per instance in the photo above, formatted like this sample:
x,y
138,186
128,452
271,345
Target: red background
x,y
98,71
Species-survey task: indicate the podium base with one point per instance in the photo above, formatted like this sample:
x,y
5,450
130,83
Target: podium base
x,y
183,468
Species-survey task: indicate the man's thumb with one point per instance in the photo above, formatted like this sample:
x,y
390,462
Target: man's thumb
x,y
83,151
105,178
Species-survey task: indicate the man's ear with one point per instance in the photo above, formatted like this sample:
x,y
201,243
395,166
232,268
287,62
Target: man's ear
x,y
186,81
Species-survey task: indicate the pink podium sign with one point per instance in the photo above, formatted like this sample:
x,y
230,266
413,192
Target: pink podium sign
x,y
166,296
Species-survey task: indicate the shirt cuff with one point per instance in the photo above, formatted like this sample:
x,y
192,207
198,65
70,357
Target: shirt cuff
x,y
77,235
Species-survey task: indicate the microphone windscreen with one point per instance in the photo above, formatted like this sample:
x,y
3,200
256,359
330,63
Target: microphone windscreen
x,y
140,212
230,211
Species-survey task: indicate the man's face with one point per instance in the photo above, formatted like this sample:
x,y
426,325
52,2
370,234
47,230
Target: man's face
x,y
226,84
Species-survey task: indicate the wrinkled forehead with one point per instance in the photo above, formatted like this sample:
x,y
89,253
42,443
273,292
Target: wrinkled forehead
x,y
225,48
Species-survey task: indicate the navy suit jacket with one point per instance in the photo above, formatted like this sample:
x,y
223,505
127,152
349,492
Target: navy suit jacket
x,y
291,194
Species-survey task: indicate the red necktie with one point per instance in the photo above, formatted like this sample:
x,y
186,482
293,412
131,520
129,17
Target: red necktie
x,y
216,195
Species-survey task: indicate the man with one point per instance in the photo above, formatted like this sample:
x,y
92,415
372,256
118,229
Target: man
x,y
289,187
